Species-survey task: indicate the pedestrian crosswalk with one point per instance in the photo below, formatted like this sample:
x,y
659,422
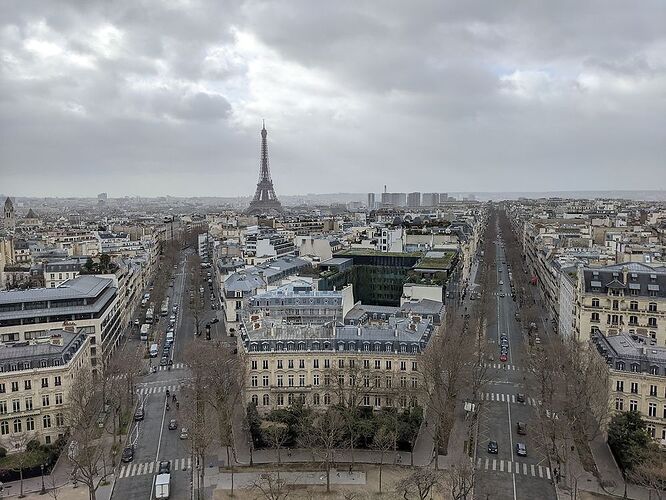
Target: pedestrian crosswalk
x,y
157,390
504,398
131,470
502,366
518,468
175,366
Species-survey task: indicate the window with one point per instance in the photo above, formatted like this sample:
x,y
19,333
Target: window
x,y
619,365
341,363
2,388
389,382
635,367
327,380
633,305
28,404
279,381
29,424
378,364
652,322
17,425
634,387
366,400
255,399
280,400
652,307
653,390
3,407
16,405
315,379
652,409
301,380
58,398
388,364
15,386
341,380
290,363
46,420
616,305
27,384
415,383
47,440
290,398
327,399
254,364
254,381
351,363
264,364
378,401
4,427
279,364
290,381
327,363
595,317
366,381
633,405
633,320
315,363
414,366
315,399
403,366
264,380
301,363
45,382
403,381
266,400
45,400
619,404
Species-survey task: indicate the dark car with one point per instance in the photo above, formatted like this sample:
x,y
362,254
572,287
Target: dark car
x,y
164,361
173,424
128,454
520,397
215,320
521,428
165,467
492,447
138,414
521,449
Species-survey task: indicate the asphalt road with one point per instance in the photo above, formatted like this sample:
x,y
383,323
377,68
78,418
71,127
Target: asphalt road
x,y
506,475
152,439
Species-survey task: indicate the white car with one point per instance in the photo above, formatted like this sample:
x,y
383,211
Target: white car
x,y
501,283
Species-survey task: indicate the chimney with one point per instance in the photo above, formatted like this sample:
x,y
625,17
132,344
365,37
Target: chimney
x,y
56,339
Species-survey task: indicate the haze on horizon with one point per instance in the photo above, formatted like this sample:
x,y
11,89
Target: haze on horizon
x,y
153,98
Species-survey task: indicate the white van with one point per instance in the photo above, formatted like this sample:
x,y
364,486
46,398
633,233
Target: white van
x,y
169,337
153,350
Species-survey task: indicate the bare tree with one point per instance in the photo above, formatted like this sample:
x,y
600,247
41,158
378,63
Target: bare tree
x,y
270,486
323,436
276,433
419,484
87,452
195,285
22,455
460,480
651,473
382,442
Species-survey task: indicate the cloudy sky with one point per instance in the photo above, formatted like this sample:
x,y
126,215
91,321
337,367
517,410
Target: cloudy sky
x,y
140,97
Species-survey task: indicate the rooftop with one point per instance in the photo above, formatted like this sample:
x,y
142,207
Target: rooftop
x,y
77,288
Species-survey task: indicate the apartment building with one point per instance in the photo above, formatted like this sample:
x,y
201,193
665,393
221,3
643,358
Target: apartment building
x,y
623,298
318,365
36,377
92,303
57,272
637,378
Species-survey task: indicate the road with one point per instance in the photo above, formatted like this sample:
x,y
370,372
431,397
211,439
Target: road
x,y
152,439
505,475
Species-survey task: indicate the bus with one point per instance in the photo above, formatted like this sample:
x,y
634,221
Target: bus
x,y
145,329
149,315
165,307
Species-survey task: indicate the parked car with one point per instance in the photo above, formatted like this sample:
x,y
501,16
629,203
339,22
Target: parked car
x,y
138,414
128,454
521,428
503,358
521,449
173,424
184,434
137,322
214,320
501,282
520,397
492,447
164,361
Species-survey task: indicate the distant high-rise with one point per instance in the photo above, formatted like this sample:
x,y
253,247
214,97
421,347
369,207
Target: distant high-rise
x,y
443,197
430,199
371,201
265,200
101,198
414,200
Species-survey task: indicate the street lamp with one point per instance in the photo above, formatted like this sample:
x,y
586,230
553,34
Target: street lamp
x,y
43,490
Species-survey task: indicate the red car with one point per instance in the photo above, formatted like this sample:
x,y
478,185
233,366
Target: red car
x,y
503,358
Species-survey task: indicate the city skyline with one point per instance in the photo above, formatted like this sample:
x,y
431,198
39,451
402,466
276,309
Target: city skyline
x,y
156,100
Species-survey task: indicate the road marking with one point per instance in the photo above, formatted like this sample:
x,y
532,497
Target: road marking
x,y
144,468
494,464
478,463
501,465
532,469
486,464
525,469
150,467
548,472
540,471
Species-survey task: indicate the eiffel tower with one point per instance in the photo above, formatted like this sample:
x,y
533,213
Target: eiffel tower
x,y
265,200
